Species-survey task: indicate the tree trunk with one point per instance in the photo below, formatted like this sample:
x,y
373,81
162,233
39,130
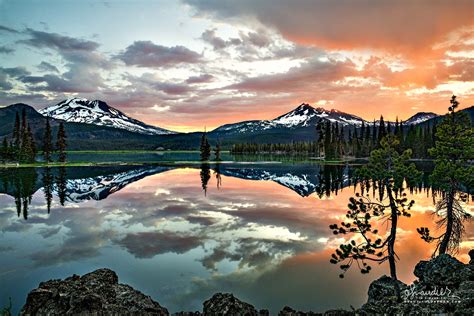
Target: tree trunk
x,y
393,234
443,247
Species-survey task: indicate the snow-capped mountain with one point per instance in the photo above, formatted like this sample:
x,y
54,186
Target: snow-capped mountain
x,y
420,118
303,116
300,179
100,187
99,113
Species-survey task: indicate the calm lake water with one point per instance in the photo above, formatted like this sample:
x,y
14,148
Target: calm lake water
x,y
181,234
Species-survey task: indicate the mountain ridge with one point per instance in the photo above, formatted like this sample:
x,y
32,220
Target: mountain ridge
x,y
97,112
294,126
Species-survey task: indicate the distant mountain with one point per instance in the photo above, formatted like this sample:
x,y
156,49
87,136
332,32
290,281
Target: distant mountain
x,y
82,136
420,117
304,116
99,113
127,133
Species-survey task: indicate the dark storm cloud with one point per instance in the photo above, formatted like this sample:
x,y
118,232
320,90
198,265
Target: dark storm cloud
x,y
47,67
150,244
6,50
60,42
148,54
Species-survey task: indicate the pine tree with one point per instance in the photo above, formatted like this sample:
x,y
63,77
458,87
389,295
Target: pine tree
x,y
382,131
34,150
27,146
16,133
47,142
387,170
328,144
61,143
205,148
4,151
454,149
374,136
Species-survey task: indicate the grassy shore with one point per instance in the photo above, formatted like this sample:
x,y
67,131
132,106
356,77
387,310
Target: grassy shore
x,y
168,161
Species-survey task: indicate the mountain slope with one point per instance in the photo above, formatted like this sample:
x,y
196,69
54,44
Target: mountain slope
x,y
99,113
304,116
420,117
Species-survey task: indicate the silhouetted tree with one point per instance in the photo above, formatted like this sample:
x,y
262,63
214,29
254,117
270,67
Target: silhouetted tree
x,y
205,148
47,142
386,170
16,133
453,173
61,143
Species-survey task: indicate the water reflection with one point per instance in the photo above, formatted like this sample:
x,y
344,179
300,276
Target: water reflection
x,y
263,235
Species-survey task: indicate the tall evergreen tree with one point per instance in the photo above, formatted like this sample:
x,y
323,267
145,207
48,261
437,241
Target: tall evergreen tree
x,y
374,135
4,150
454,149
34,149
27,146
205,148
47,142
387,169
61,143
382,131
16,132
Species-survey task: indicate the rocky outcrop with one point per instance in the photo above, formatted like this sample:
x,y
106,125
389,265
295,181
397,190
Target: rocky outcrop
x,y
95,293
227,304
444,286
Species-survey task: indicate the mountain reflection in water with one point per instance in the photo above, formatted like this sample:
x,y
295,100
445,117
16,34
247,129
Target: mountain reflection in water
x,y
182,234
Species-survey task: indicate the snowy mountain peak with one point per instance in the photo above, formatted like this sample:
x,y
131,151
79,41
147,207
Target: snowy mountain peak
x,y
97,112
302,116
420,117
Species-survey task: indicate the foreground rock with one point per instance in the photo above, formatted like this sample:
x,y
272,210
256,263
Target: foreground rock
x,y
94,293
444,286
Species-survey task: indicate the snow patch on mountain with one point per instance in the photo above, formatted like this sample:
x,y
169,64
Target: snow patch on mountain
x,y
303,116
80,110
420,118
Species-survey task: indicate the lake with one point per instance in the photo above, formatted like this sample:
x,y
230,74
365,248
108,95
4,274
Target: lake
x,y
182,233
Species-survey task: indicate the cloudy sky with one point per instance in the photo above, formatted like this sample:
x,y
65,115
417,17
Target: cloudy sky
x,y
187,64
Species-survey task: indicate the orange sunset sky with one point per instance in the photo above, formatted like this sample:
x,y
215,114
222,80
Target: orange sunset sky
x,y
187,64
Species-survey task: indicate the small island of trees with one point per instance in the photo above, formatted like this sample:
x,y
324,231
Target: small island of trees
x,y
21,147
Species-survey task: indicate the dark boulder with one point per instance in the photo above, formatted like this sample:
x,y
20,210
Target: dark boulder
x,y
227,304
95,293
443,270
444,286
